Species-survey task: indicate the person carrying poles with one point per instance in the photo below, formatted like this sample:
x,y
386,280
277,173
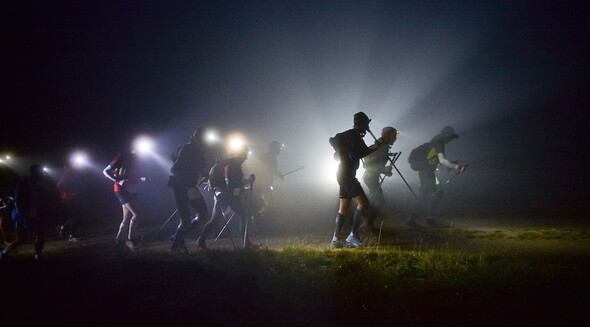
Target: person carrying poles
x,y
425,159
350,148
375,166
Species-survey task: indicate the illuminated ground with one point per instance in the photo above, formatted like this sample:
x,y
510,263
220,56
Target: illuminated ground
x,y
531,275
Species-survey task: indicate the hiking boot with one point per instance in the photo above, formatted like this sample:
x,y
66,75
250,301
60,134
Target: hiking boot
x,y
354,240
73,239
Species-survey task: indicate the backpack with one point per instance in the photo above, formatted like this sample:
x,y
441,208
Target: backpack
x,y
217,174
339,142
418,157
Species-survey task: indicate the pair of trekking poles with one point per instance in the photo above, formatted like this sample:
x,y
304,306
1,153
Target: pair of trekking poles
x,y
226,220
392,159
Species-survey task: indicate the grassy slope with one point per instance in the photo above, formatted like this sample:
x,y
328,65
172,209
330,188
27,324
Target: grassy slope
x,y
446,276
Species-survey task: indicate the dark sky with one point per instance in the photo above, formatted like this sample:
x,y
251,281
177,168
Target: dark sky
x,y
511,78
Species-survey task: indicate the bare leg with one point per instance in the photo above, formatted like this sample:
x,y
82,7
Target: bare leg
x,y
131,218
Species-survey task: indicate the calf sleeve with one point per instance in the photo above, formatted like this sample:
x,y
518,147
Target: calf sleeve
x,y
338,224
357,219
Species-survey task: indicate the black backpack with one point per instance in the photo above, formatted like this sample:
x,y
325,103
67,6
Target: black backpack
x,y
418,157
339,142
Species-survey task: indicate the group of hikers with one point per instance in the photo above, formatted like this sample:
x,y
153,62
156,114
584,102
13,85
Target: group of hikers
x,y
36,200
351,149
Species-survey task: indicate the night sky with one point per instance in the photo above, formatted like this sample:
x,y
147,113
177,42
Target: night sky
x,y
511,79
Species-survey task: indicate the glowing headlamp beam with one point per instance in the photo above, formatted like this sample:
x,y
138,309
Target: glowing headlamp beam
x,y
79,160
236,143
143,145
211,137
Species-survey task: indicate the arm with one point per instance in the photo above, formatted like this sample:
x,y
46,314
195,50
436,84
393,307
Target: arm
x,y
108,173
375,146
445,162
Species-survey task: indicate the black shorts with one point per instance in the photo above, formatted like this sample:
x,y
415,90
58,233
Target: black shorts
x,y
350,188
125,197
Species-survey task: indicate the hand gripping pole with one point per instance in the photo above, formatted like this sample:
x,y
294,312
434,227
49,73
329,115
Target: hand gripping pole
x,y
392,163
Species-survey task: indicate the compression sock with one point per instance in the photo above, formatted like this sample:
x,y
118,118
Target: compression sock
x,y
338,224
357,219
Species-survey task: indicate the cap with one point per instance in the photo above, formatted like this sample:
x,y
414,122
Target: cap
x,y
361,119
449,131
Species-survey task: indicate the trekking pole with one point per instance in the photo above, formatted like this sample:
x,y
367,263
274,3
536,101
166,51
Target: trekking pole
x,y
226,225
249,207
393,165
165,223
294,170
450,179
395,156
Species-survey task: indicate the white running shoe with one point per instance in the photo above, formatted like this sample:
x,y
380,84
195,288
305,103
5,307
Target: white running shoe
x,y
353,240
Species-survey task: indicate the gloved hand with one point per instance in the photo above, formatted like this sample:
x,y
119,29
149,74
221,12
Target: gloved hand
x,y
387,171
380,141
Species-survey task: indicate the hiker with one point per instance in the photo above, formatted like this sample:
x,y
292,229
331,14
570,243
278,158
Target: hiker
x,y
350,148
227,181
266,175
375,166
427,158
124,171
189,166
70,186
36,206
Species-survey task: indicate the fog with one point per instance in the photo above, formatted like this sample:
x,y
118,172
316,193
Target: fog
x,y
507,77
